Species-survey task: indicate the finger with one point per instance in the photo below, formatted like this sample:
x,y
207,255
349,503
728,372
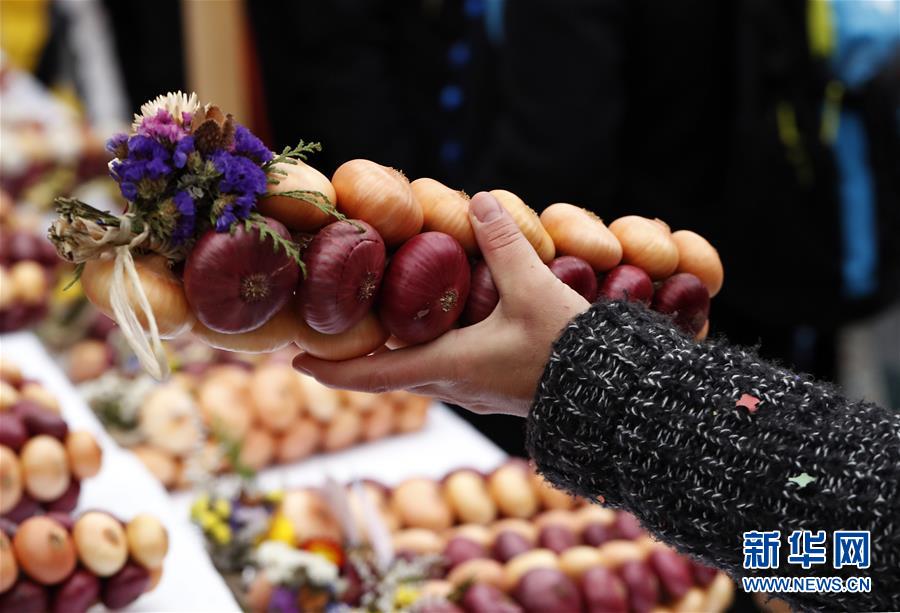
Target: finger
x,y
379,372
508,254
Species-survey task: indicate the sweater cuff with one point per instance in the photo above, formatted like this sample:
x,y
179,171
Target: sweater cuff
x,y
571,429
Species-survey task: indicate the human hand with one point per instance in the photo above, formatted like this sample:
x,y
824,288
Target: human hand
x,y
493,366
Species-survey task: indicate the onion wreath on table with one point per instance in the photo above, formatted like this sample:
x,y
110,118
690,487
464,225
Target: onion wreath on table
x,y
252,251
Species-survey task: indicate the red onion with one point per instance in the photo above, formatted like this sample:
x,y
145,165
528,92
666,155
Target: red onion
x,y
577,274
603,591
67,502
673,572
485,598
344,266
703,575
483,295
125,586
425,287
40,420
595,534
643,587
627,282
508,544
237,282
686,299
25,596
25,508
77,593
12,431
547,589
626,526
557,538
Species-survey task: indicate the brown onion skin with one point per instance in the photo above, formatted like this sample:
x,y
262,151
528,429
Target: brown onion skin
x,y
483,295
425,287
362,339
236,282
627,282
344,267
686,299
296,214
577,274
164,291
275,334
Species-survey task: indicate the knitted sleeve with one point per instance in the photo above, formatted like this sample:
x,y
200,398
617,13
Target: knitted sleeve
x,y
632,413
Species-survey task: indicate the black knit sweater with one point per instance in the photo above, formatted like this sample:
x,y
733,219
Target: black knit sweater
x,y
632,412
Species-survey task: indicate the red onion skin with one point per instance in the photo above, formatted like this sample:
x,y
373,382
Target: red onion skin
x,y
603,591
627,282
39,420
25,596
68,500
344,268
642,584
686,299
12,431
25,508
77,593
577,274
673,572
703,575
125,586
236,282
483,295
626,526
425,287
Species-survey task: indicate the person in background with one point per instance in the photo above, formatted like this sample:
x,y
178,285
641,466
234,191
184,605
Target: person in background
x,y
701,441
769,126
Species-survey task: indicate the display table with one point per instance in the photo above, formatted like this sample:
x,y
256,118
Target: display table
x,y
125,488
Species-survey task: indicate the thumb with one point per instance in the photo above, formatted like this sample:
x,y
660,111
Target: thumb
x,y
508,254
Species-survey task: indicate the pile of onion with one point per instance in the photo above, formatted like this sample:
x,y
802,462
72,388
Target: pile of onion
x,y
42,463
53,562
401,266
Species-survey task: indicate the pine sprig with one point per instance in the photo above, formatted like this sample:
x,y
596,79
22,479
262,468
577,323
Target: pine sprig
x,y
76,276
291,155
290,248
317,199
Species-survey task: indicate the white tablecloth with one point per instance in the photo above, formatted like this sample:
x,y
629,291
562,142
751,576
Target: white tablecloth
x,y
125,488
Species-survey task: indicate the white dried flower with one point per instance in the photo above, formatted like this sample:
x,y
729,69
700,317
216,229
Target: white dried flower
x,y
175,104
280,562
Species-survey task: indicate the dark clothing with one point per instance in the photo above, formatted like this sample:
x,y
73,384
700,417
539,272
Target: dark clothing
x,y
632,411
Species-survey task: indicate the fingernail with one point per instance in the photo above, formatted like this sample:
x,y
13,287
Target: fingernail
x,y
485,207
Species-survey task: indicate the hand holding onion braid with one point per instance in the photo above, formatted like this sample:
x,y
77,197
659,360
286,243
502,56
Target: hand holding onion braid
x,y
494,365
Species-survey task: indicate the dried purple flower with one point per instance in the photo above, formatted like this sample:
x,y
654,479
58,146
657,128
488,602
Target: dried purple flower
x,y
184,148
247,144
184,228
162,127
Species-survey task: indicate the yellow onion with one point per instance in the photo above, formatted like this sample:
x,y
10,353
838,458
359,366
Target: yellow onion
x,y
529,223
297,215
362,339
44,550
380,196
101,543
84,454
163,289
578,232
45,468
647,244
148,540
9,570
275,334
698,257
445,210
10,479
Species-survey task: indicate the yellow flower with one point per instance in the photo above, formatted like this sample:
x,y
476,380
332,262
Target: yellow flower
x,y
281,529
275,496
200,504
222,507
405,595
221,533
